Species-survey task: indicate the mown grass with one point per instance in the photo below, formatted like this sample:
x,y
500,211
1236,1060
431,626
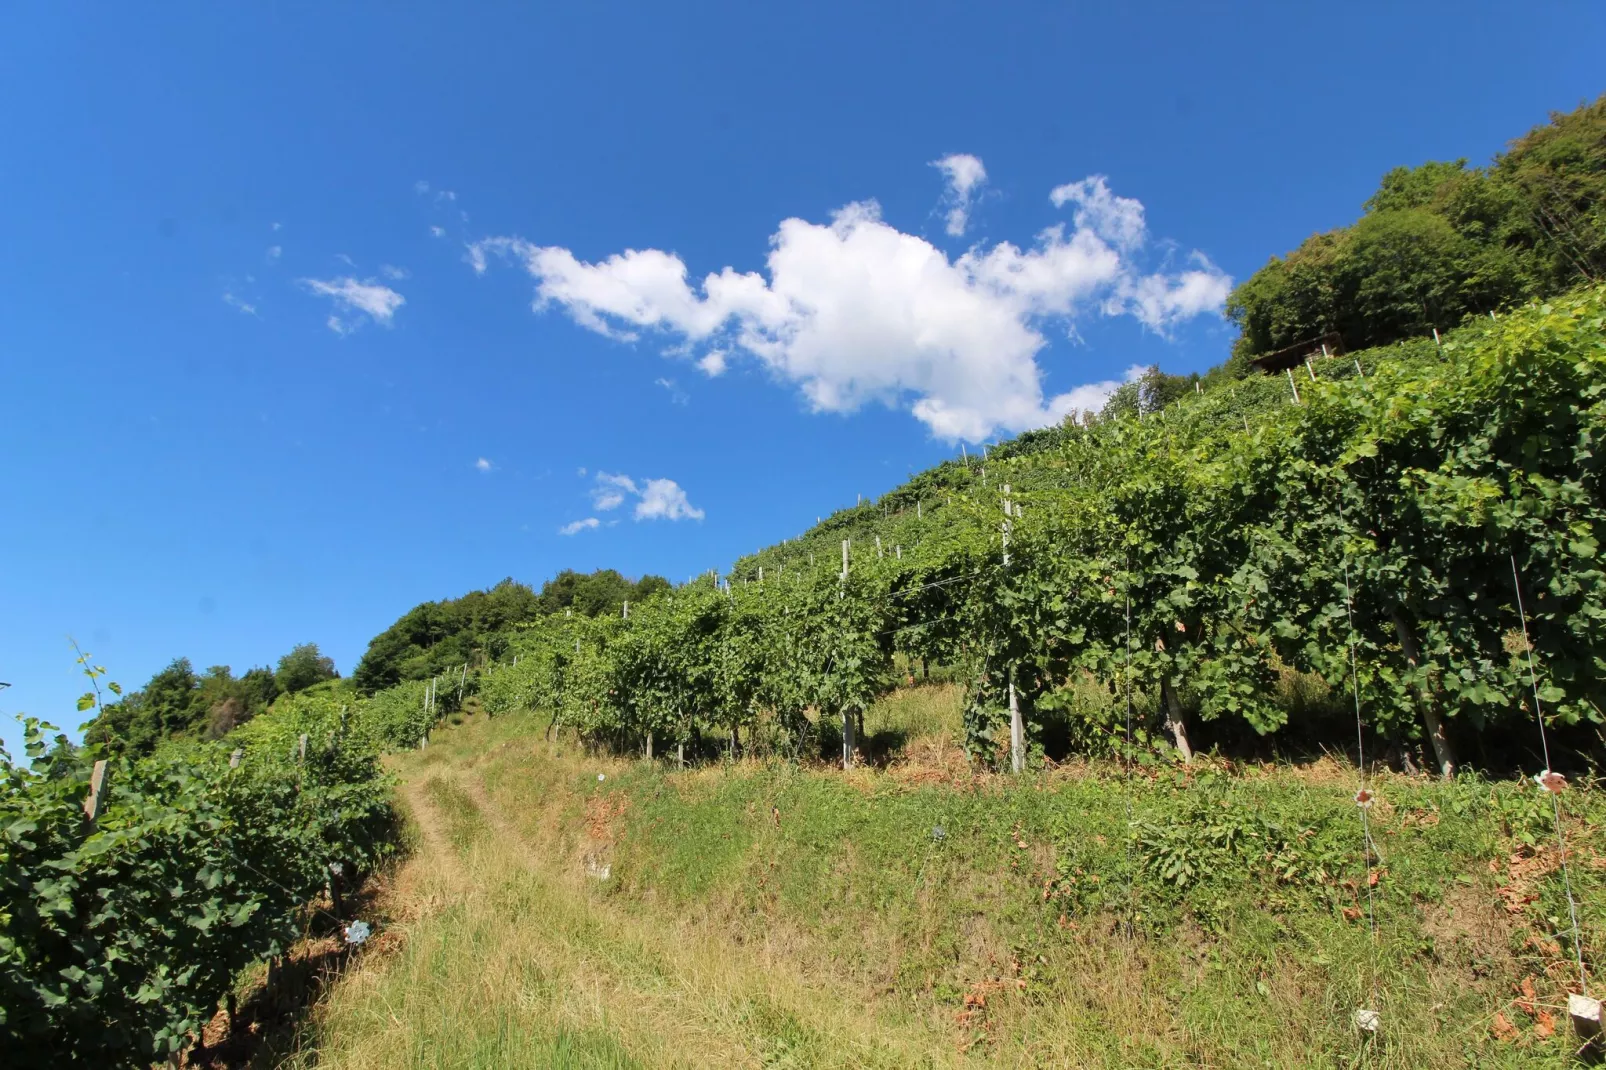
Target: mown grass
x,y
771,914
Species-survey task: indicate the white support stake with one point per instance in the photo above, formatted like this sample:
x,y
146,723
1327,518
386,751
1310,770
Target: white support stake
x,y
301,748
1293,384
844,560
1006,525
847,740
878,547
1017,731
234,759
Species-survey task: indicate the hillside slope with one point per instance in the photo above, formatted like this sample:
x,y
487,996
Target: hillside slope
x,y
567,909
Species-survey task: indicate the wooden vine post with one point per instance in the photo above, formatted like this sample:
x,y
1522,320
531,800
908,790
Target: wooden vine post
x,y
97,793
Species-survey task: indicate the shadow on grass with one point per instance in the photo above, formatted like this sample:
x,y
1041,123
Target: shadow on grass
x,y
267,1021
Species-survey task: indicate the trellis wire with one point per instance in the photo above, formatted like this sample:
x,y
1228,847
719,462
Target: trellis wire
x,y
1555,797
937,583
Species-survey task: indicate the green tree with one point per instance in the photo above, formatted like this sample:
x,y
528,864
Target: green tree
x,y
303,667
1440,243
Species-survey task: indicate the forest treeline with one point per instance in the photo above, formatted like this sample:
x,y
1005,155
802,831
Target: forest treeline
x,y
1439,243
180,703
433,637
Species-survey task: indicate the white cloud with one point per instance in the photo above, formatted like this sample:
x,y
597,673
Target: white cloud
x,y
662,499
420,187
243,306
378,302
656,499
1118,220
676,394
857,311
965,175
578,526
483,465
392,272
437,232
1161,301
275,251
275,226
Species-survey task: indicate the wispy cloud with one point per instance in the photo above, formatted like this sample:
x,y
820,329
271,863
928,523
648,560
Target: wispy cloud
x,y
676,394
965,175
275,252
588,524
352,296
437,232
610,491
243,306
392,272
483,465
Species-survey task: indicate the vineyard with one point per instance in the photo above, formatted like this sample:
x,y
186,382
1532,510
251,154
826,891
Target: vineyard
x,y
1392,554
1239,567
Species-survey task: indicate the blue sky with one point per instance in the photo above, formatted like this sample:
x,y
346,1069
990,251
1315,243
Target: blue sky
x,y
309,313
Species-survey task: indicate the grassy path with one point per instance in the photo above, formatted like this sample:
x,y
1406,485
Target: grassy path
x,y
505,961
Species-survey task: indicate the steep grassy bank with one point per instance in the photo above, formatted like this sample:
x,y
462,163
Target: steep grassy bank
x,y
924,915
